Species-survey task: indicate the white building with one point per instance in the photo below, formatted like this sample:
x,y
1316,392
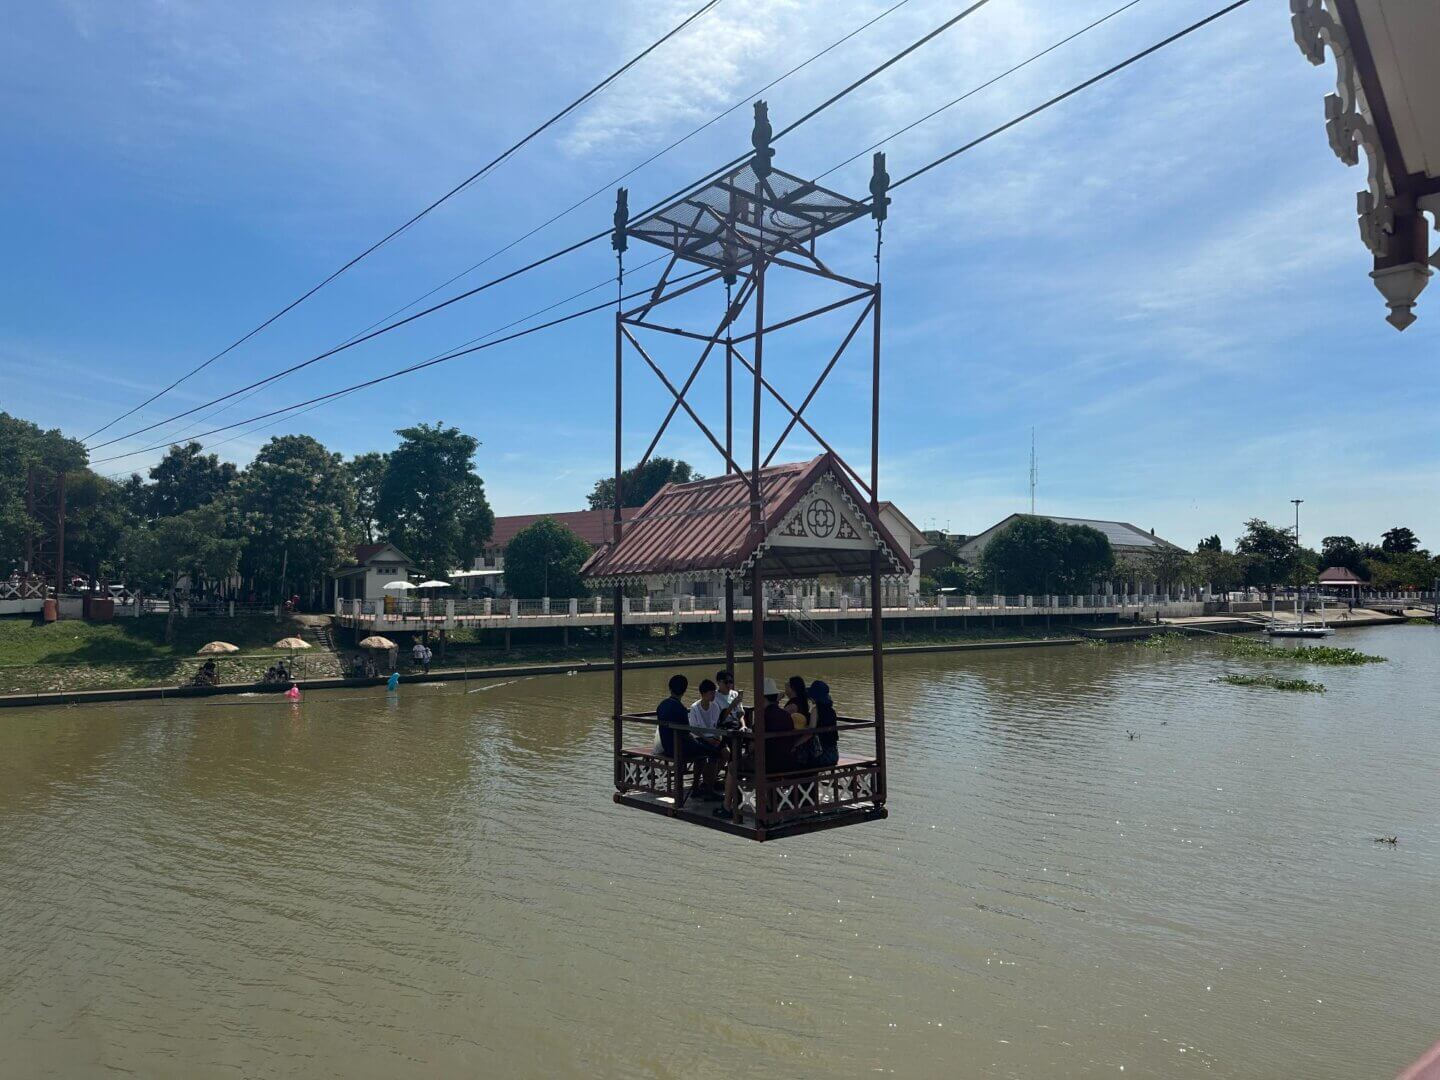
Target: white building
x,y
375,566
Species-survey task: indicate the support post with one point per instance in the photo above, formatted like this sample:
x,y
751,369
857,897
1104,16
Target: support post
x,y
59,539
757,661
730,624
877,657
618,624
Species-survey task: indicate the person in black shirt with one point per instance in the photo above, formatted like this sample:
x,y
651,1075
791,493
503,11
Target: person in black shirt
x,y
824,749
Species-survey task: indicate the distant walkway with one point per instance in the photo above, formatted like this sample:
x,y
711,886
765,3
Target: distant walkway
x,y
414,617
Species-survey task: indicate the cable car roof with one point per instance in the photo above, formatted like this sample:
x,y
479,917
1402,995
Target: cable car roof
x,y
814,522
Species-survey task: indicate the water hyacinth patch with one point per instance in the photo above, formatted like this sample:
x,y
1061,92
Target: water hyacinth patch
x,y
1327,655
1274,682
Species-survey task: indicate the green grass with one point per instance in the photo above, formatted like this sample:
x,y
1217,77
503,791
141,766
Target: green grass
x,y
1327,655
76,655
1274,682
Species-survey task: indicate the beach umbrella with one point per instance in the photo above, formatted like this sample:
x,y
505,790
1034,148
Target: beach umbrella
x,y
216,647
399,586
292,643
375,641
433,584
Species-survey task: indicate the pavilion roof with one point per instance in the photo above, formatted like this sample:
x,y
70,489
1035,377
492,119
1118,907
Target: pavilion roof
x,y
813,521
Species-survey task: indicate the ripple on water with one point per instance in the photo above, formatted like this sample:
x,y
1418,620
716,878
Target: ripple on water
x,y
437,881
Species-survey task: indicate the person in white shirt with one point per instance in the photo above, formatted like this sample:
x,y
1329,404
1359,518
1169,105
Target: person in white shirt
x,y
417,654
705,713
731,706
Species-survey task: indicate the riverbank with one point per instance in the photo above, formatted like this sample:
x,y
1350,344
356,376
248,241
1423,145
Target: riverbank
x,y
488,672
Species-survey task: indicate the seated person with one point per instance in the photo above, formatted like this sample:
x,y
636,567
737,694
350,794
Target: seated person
x,y
823,749
798,704
779,753
208,675
270,675
673,711
732,708
705,713
357,667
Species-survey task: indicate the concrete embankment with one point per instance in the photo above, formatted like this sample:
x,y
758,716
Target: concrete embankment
x,y
1231,624
171,693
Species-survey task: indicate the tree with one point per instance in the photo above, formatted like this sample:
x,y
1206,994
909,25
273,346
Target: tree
x,y
1270,554
190,544
964,579
98,517
1399,541
367,474
297,509
639,483
1342,551
1407,570
431,504
544,560
1168,566
1037,555
1210,543
25,446
185,479
1224,571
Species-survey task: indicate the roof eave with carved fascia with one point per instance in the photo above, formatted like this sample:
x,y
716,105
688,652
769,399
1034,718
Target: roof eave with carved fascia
x,y
1392,226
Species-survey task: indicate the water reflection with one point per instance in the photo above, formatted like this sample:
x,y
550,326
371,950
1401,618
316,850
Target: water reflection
x,y
436,882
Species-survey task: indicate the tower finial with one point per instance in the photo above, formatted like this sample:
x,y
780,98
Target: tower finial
x,y
620,239
760,137
879,185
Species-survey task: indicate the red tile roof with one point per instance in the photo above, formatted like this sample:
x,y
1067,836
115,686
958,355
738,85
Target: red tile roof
x,y
592,526
705,526
365,552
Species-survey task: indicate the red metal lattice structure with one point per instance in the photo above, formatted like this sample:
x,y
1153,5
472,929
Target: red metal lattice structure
x,y
751,523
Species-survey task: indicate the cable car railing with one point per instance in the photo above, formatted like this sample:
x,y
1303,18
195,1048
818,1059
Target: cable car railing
x,y
788,795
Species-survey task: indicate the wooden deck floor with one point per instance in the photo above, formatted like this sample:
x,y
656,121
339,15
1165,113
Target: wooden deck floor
x,y
702,812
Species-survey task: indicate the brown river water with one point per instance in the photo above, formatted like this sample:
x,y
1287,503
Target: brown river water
x,y
437,884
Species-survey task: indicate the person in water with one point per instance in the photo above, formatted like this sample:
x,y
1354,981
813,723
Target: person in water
x,y
393,683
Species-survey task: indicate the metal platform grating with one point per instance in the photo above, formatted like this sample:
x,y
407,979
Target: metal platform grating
x,y
727,222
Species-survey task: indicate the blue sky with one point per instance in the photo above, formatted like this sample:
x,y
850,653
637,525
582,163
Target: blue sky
x,y
1162,276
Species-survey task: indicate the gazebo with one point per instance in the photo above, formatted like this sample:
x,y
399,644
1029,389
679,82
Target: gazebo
x,y
761,522
1339,578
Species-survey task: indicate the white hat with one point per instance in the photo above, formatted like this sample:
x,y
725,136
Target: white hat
x,y
771,689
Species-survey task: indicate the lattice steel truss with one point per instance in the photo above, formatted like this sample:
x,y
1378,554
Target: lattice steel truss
x,y
749,223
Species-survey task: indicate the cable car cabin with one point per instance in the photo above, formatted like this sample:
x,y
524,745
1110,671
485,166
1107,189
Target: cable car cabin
x,y
759,523
810,520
